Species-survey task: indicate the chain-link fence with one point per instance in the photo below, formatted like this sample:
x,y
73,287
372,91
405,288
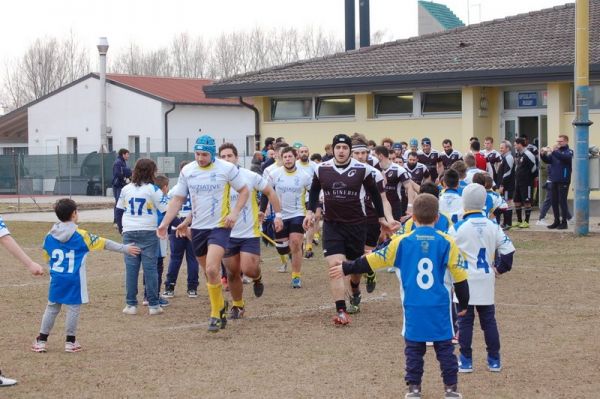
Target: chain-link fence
x,y
79,174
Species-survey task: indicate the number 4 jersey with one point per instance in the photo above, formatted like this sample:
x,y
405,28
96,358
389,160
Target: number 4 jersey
x,y
65,249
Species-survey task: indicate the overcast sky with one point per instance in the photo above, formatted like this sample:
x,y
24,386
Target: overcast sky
x,y
152,23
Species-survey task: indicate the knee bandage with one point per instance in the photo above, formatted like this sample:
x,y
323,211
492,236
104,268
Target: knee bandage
x,y
283,248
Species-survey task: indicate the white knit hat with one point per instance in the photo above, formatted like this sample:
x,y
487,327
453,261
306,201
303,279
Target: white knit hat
x,y
473,197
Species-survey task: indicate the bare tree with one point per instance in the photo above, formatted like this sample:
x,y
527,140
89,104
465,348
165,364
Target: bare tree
x,y
48,64
189,56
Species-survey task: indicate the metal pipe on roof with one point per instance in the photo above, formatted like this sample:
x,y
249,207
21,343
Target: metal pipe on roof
x,y
350,25
256,123
365,29
167,129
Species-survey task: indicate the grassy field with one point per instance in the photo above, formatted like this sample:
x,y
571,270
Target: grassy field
x,y
547,309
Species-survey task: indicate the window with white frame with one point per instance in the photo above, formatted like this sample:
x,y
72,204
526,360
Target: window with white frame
x,y
394,104
334,107
291,108
441,102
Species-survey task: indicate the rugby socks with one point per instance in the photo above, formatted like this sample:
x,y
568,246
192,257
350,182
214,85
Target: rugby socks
x,y
295,275
70,338
340,305
519,215
42,337
217,302
239,304
527,214
355,287
508,217
308,247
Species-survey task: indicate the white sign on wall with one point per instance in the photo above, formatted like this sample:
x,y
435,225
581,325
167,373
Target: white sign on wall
x,y
165,164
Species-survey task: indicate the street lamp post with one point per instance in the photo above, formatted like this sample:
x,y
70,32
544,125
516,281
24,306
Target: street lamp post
x,y
102,50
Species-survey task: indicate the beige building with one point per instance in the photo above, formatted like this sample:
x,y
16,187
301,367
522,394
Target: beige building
x,y
501,78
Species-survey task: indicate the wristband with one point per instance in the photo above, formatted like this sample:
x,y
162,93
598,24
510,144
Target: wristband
x,y
278,215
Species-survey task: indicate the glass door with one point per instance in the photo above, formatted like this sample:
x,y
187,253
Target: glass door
x,y
509,129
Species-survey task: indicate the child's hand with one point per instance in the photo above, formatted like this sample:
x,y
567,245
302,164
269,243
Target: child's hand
x,y
35,269
336,271
133,250
161,232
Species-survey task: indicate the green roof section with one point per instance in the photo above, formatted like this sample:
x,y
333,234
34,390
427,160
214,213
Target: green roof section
x,y
442,13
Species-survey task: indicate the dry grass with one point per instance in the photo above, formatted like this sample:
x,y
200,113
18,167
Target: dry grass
x,y
548,315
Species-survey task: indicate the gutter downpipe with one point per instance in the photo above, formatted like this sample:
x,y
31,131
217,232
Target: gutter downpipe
x,y
167,129
256,123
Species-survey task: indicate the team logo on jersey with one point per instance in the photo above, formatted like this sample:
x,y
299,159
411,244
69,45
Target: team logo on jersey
x,y
352,173
382,252
93,238
338,185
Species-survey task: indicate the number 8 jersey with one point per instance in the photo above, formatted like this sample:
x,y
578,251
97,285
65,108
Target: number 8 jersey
x,y
65,249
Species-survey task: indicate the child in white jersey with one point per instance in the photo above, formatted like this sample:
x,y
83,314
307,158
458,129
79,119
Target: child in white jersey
x,y
138,208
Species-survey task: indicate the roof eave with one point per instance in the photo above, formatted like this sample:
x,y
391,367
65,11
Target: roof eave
x,y
373,83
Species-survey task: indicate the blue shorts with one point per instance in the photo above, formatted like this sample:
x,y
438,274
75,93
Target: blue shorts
x,y
202,238
292,225
248,245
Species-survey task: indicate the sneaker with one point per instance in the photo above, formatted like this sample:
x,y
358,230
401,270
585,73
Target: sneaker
x,y
354,306
130,309
192,293
72,347
296,282
341,318
465,364
259,288
39,346
224,283
236,312
541,222
414,391
554,225
494,364
308,254
5,381
563,225
145,301
371,282
169,292
163,303
218,323
523,225
570,221
506,227
155,310
451,392
352,309
282,268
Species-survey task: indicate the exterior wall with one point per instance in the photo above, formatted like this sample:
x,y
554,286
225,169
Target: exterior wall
x,y
69,113
223,123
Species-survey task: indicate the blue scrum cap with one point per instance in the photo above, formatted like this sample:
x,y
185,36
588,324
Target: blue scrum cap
x,y
207,144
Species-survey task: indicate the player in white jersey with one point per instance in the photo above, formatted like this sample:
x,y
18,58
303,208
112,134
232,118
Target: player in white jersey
x,y
243,251
291,185
479,239
305,164
450,198
208,182
138,209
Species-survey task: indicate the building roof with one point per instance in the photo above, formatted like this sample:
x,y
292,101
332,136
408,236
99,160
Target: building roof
x,y
442,14
168,89
533,47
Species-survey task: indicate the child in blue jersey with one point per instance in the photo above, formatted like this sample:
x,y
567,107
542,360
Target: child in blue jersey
x,y
479,239
138,208
9,243
65,249
424,260
443,223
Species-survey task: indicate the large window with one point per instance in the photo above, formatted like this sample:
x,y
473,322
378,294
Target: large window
x,y
291,108
393,104
331,107
446,101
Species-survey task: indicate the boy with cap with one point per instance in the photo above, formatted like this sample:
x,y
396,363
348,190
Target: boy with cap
x,y
479,239
208,182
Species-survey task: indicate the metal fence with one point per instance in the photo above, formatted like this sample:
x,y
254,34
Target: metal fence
x,y
78,174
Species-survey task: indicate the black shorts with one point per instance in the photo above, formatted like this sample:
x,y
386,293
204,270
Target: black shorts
x,y
373,232
292,225
523,193
248,245
344,239
202,238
